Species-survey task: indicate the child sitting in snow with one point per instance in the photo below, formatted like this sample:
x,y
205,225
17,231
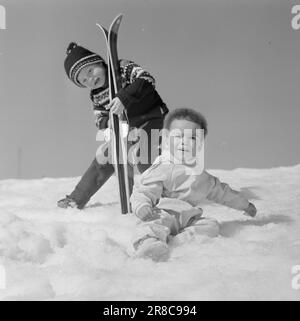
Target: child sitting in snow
x,y
170,192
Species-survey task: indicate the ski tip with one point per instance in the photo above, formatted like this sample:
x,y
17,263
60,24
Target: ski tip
x,y
98,25
118,18
102,28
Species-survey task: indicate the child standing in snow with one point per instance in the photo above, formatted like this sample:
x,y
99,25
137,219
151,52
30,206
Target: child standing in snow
x,y
170,192
138,97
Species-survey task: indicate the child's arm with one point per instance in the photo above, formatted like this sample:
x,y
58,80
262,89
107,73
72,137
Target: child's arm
x,y
131,72
101,117
147,192
100,101
221,193
139,94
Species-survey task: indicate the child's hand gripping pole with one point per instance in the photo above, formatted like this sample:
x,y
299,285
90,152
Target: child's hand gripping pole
x,y
116,107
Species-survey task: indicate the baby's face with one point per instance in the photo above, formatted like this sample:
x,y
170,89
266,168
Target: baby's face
x,y
92,76
185,140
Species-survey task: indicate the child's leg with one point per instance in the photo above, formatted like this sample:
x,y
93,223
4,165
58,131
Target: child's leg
x,y
95,176
151,237
159,229
204,226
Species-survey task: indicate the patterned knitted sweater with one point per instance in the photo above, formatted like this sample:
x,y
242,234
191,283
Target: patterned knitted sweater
x,y
138,95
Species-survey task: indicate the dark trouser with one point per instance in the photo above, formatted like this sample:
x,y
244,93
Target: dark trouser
x,y
97,174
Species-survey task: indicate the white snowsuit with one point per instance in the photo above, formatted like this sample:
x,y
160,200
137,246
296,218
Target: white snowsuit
x,y
177,192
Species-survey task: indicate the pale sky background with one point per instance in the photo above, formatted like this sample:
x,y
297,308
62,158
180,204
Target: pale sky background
x,y
235,61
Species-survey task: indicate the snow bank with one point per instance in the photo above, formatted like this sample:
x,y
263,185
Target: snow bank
x,y
56,254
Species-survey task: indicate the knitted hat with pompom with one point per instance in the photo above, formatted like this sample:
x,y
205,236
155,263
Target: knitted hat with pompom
x,y
77,58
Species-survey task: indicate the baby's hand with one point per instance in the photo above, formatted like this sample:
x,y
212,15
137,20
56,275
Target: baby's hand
x,y
250,210
146,213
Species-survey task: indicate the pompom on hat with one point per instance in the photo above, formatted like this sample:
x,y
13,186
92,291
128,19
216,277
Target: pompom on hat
x,y
77,58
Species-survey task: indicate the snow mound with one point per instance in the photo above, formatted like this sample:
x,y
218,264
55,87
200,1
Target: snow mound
x,y
54,254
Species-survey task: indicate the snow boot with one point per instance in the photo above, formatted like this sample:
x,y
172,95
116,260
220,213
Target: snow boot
x,y
67,202
95,176
152,248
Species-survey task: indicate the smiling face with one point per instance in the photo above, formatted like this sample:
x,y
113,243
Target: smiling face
x,y
92,76
185,140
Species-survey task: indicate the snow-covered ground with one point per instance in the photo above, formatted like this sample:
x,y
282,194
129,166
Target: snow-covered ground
x,y
56,254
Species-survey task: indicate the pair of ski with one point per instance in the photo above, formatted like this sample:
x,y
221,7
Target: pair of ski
x,y
119,142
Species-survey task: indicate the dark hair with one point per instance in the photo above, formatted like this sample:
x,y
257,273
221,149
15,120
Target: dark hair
x,y
187,114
